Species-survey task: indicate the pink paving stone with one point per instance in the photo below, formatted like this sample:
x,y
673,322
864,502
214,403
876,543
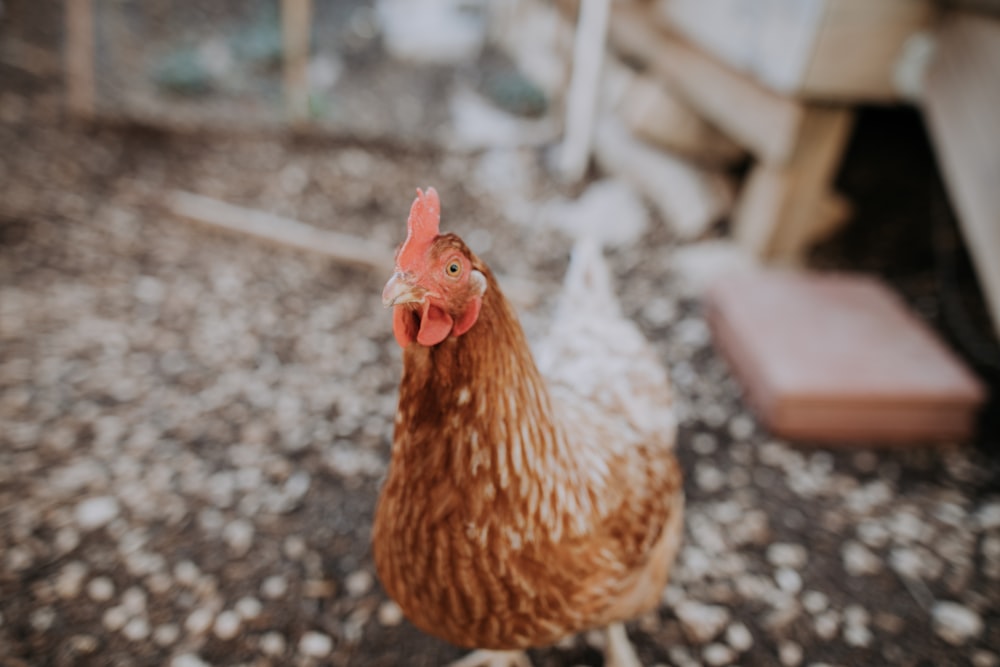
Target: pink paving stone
x,y
839,358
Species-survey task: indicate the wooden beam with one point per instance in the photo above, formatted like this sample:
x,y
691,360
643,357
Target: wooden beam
x,y
287,232
295,27
962,105
80,57
782,208
757,118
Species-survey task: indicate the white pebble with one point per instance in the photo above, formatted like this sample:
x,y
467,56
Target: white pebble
x,y
115,618
955,623
984,658
186,573
96,512
188,660
272,643
783,554
70,580
315,645
100,589
227,625
248,608
857,635
166,634
199,621
788,580
134,600
827,625
389,614
294,547
42,619
815,601
718,655
274,587
238,535
858,560
790,654
136,629
358,583
739,637
701,622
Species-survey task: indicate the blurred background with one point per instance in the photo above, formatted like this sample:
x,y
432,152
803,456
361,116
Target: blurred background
x,y
199,202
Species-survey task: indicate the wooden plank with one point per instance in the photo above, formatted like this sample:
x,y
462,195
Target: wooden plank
x,y
857,48
962,106
291,233
781,209
80,57
830,50
295,25
757,118
581,103
652,113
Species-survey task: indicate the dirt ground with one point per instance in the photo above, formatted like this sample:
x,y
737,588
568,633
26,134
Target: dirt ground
x,y
193,426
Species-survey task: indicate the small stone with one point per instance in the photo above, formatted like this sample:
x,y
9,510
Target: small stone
x,y
701,622
790,654
136,630
739,637
96,512
166,634
238,536
956,624
857,635
227,625
783,554
827,624
134,600
248,608
272,643
274,587
100,589
199,621
83,644
315,645
788,580
389,614
42,619
873,534
188,660
718,655
294,547
186,573
115,618
858,560
358,583
984,658
70,580
815,601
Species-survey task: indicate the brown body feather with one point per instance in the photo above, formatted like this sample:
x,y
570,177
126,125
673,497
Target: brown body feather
x,y
518,510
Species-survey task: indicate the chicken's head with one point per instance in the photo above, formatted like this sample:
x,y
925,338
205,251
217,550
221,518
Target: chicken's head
x,y
435,291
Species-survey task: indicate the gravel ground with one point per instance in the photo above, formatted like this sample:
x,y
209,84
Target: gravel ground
x,y
193,427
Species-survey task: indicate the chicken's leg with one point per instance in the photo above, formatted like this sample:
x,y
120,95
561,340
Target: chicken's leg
x,y
619,651
493,659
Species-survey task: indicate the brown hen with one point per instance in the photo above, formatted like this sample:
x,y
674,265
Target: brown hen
x,y
524,501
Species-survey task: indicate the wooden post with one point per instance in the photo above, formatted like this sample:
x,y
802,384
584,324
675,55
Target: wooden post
x,y
581,102
80,57
782,207
295,23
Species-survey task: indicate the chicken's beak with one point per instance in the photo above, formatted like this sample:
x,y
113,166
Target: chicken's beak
x,y
399,290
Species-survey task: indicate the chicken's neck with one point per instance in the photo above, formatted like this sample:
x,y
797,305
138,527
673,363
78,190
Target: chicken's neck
x,y
475,416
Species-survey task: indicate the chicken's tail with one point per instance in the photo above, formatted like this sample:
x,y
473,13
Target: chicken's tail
x,y
588,285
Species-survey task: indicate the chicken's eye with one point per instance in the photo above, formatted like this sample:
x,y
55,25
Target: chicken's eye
x,y
453,269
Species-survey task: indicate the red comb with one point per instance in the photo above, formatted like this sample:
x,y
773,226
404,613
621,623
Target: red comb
x,y
421,228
